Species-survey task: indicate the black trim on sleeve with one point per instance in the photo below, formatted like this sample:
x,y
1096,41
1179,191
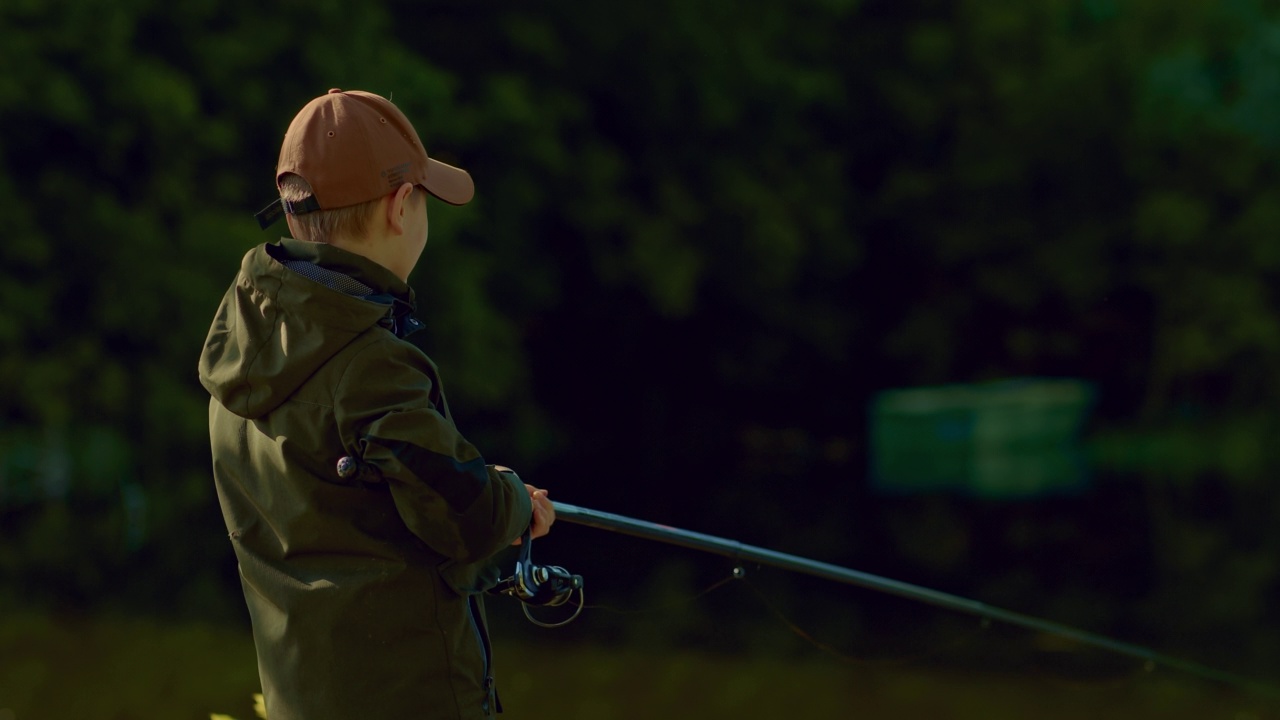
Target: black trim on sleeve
x,y
459,483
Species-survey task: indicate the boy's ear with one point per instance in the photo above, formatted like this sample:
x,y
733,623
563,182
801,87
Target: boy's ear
x,y
397,207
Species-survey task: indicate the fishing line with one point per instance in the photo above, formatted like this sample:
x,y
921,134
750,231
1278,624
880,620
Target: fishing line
x,y
670,605
850,658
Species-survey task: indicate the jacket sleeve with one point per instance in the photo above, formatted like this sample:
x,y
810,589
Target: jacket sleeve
x,y
443,490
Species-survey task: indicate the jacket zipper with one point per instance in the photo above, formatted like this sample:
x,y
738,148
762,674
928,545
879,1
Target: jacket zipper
x,y
482,638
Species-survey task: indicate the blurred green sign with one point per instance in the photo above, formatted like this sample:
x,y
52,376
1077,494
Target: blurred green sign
x,y
1007,439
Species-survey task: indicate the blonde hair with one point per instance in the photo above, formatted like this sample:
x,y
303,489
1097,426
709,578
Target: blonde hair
x,y
351,221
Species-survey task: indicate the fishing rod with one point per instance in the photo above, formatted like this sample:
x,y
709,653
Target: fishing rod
x,y
740,553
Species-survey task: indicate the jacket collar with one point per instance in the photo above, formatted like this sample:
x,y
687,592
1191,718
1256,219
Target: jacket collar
x,y
358,267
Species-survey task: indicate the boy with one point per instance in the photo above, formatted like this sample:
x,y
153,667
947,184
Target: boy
x,y
364,524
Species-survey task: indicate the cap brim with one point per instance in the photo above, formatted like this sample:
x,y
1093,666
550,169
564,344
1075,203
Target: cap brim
x,y
450,184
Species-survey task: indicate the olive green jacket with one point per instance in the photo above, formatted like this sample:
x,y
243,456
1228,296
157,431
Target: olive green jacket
x,y
362,587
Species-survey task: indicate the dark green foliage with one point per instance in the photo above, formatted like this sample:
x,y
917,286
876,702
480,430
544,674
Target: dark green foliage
x,y
706,234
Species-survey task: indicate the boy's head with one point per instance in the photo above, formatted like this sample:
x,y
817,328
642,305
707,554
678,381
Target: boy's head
x,y
345,153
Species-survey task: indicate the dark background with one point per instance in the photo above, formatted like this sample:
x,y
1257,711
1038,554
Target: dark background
x,y
707,236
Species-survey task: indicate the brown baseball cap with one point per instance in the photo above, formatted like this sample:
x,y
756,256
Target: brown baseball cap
x,y
352,147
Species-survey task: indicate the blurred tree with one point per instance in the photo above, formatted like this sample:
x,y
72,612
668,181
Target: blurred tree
x,y
705,235
136,143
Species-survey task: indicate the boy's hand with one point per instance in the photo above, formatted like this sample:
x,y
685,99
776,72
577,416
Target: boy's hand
x,y
544,513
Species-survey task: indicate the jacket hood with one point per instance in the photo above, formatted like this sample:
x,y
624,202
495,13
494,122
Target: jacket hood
x,y
276,325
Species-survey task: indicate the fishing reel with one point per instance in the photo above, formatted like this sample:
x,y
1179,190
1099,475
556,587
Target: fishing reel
x,y
541,585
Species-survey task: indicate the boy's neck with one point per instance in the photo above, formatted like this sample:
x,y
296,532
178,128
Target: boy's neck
x,y
380,250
